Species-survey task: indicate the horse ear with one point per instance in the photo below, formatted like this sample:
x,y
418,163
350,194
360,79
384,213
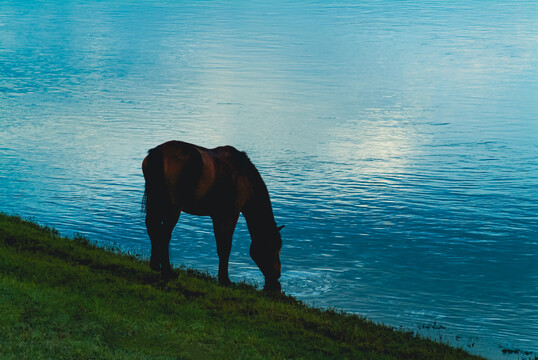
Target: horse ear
x,y
280,227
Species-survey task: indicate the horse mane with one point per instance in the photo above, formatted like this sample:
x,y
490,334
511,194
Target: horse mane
x,y
261,199
246,167
241,160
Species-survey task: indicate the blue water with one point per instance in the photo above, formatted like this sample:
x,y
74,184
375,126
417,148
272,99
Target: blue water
x,y
398,140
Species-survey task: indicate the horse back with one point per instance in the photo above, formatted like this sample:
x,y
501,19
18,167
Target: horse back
x,y
204,181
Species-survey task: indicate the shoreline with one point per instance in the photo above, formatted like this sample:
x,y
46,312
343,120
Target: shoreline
x,y
68,297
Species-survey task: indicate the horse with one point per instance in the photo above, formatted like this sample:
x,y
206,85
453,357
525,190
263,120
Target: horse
x,y
221,183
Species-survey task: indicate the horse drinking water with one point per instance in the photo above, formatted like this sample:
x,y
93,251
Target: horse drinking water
x,y
221,183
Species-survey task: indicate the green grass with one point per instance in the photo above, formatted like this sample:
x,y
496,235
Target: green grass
x,y
66,298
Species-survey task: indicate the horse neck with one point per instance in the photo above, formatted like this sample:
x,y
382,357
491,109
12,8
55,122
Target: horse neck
x,y
258,211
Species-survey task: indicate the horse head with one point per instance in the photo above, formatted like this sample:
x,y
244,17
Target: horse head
x,y
266,254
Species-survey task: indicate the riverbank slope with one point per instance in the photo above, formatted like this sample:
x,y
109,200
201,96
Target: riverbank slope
x,y
67,298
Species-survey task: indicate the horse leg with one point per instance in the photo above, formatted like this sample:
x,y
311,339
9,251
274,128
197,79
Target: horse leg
x,y
169,221
155,231
224,226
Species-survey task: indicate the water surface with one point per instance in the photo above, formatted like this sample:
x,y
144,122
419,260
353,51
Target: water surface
x,y
398,140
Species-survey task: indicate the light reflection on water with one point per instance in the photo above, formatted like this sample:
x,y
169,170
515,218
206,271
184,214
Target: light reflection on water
x,y
398,141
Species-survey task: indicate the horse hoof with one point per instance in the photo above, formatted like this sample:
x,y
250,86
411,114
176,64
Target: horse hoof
x,y
273,287
154,265
167,275
225,281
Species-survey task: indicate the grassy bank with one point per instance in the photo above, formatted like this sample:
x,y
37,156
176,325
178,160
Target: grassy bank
x,y
66,298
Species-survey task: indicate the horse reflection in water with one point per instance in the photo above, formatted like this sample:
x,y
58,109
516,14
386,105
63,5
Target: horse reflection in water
x,y
221,183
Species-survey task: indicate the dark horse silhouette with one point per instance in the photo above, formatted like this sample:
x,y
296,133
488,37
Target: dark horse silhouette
x,y
221,183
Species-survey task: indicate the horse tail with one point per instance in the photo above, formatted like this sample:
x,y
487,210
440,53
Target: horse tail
x,y
155,192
